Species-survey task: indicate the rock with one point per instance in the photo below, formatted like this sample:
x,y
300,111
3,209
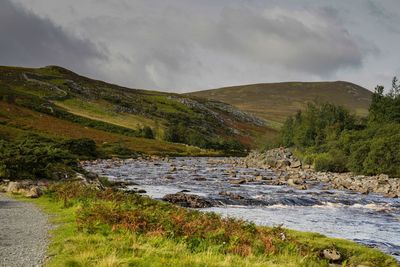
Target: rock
x,y
188,201
172,169
184,191
141,191
199,178
238,181
13,187
259,178
34,192
169,177
282,164
231,195
331,254
295,164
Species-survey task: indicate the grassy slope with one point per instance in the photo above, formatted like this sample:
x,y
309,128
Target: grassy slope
x,y
113,243
276,101
18,121
128,108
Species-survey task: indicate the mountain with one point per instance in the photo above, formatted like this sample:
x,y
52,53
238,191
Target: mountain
x,y
58,103
276,101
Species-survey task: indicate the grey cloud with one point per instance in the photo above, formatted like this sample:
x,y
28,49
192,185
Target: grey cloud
x,y
286,38
163,47
29,40
183,45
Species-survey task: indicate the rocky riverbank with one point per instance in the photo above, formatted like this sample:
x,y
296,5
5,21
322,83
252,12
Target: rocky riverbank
x,y
292,172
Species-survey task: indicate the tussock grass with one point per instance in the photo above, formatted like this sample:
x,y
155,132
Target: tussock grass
x,y
107,228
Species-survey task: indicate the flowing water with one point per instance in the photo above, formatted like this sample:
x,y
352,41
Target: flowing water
x,y
372,220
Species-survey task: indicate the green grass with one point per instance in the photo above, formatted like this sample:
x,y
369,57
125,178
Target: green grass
x,y
103,111
112,229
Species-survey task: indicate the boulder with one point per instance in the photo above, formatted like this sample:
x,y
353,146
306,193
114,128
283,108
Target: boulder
x,y
231,195
34,192
187,200
238,181
331,254
13,187
295,164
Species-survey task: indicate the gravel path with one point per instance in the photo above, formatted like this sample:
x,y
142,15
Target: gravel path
x,y
23,234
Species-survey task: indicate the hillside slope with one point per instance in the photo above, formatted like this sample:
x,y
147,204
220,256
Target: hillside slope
x,y
276,101
57,102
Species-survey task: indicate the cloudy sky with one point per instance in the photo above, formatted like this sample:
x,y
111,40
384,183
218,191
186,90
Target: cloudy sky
x,y
187,45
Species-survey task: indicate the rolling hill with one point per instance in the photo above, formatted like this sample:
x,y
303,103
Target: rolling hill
x,y
58,103
276,101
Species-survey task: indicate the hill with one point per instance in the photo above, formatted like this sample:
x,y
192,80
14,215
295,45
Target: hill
x,y
59,103
276,101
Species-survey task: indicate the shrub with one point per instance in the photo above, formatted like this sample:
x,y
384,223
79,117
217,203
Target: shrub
x,y
334,161
384,156
35,158
81,147
146,132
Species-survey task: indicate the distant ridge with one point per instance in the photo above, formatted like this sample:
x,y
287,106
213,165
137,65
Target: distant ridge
x,y
276,101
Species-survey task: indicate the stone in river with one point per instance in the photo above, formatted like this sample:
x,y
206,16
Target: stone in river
x,y
238,181
188,201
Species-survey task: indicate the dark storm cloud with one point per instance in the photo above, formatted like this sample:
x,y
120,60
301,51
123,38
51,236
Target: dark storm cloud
x,y
29,40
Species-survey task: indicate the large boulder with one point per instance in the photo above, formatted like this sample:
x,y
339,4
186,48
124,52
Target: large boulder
x,y
14,187
187,200
331,254
34,192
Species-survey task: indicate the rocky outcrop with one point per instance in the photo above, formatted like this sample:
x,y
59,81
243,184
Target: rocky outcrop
x,y
292,172
187,200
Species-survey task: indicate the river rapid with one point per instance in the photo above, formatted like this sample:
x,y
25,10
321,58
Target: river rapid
x,y
372,220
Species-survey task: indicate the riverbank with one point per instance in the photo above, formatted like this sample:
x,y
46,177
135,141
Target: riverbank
x,y
108,228
291,171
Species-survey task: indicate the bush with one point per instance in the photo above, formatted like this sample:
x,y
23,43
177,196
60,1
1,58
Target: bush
x,y
384,156
35,158
146,132
81,147
334,161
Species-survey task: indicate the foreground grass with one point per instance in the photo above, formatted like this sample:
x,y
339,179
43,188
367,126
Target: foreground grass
x,y
106,228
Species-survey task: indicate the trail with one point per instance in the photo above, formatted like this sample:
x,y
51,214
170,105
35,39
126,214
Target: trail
x,y
23,234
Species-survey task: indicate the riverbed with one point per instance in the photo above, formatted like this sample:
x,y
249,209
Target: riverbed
x,y
248,193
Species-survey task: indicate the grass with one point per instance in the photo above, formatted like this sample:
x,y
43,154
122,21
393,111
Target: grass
x,y
276,101
102,110
106,228
28,121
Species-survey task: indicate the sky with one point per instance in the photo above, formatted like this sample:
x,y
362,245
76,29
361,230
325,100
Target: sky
x,y
188,45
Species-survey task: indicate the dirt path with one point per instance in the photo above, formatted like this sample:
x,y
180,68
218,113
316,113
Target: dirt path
x,y
23,233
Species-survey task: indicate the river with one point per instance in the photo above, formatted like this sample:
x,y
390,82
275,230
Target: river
x,y
372,220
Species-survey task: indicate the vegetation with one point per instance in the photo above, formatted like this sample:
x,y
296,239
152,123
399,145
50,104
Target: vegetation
x,y
35,157
107,228
334,140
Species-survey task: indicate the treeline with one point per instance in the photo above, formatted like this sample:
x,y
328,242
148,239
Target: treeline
x,y
332,139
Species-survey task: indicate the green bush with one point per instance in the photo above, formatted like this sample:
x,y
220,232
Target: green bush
x,y
384,156
35,158
81,147
334,161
